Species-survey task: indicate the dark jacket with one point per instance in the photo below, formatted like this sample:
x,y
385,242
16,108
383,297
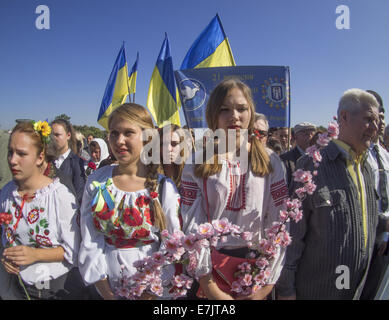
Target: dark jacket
x,y
73,166
290,160
330,235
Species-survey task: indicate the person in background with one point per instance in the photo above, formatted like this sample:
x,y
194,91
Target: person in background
x,y
41,232
125,207
99,152
81,151
173,151
303,132
282,134
378,158
262,125
337,232
68,161
275,145
90,138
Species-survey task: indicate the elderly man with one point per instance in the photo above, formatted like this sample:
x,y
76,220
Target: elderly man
x,y
333,243
303,133
379,161
262,125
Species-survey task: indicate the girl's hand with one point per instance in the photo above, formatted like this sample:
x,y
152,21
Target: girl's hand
x,y
10,267
21,255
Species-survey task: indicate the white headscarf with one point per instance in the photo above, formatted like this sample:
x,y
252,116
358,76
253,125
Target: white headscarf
x,y
104,154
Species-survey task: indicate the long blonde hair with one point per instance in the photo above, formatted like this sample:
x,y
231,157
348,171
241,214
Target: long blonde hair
x,y
258,157
137,114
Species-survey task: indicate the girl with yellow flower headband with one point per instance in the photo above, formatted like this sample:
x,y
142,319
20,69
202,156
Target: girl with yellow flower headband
x,y
40,232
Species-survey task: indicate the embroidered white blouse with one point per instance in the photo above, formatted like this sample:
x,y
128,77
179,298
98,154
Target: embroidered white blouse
x,y
124,235
249,201
48,220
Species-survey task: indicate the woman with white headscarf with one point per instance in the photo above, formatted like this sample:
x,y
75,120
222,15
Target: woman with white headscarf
x,y
99,152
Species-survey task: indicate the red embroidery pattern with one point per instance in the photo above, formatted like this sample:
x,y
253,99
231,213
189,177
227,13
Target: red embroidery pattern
x,y
188,191
279,192
237,194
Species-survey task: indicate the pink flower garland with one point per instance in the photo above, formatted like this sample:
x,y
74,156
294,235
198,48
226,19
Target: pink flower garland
x,y
183,249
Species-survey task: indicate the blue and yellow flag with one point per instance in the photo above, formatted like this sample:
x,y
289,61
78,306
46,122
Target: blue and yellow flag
x,y
133,75
117,89
211,49
161,99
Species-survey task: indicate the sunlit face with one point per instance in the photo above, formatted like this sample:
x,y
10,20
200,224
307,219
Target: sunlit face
x,y
303,138
235,111
95,153
360,128
90,138
23,158
170,147
125,139
61,138
282,135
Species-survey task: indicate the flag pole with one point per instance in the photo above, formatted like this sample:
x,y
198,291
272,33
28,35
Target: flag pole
x,y
128,83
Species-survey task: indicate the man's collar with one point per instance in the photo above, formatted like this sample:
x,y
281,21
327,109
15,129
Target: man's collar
x,y
348,152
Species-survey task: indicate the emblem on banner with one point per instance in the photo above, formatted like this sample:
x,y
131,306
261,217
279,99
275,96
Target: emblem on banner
x,y
275,92
193,94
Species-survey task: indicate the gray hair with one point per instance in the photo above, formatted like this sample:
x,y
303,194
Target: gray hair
x,y
354,99
261,116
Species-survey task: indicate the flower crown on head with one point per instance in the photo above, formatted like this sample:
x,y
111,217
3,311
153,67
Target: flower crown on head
x,y
43,129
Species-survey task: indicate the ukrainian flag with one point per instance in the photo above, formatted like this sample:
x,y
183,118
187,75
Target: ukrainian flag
x,y
117,89
161,99
211,49
133,75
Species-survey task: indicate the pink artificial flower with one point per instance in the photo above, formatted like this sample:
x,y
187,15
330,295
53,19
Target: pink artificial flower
x,y
284,215
205,230
261,263
189,242
245,267
165,233
333,130
310,187
222,225
298,216
300,192
302,176
246,280
156,288
223,239
236,287
158,258
214,241
247,236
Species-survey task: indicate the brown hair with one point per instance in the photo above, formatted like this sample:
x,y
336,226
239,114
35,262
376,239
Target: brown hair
x,y
135,113
258,157
68,129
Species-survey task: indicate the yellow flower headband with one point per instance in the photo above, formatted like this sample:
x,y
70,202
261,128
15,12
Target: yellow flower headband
x,y
43,129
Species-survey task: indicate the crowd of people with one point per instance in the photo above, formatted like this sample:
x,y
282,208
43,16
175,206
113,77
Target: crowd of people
x,y
81,212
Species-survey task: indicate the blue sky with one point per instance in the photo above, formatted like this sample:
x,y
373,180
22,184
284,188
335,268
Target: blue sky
x,y
44,73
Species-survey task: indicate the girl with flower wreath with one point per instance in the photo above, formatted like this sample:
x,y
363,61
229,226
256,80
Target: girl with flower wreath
x,y
248,191
40,236
125,207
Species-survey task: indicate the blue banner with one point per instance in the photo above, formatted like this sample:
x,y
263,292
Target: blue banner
x,y
270,87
